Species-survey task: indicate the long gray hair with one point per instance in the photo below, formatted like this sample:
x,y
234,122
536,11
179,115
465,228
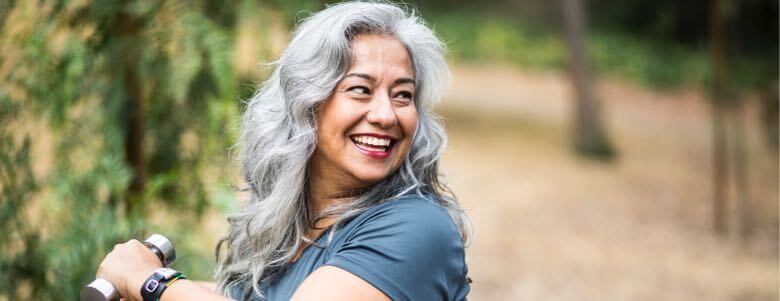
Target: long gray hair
x,y
278,136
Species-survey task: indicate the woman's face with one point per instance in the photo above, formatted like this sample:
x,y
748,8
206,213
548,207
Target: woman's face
x,y
366,125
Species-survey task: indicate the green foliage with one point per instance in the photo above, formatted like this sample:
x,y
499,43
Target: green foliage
x,y
21,251
655,63
295,10
76,67
652,64
482,38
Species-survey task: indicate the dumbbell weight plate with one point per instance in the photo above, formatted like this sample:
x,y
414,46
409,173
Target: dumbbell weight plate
x,y
102,290
98,290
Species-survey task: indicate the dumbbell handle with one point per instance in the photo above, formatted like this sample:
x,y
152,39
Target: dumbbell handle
x,y
102,290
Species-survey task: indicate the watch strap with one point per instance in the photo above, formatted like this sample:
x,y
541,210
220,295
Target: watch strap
x,y
153,287
168,283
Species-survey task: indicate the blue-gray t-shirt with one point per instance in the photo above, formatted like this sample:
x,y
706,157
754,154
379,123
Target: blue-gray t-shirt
x,y
408,248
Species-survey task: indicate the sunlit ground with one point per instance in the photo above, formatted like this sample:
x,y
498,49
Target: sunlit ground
x,y
550,226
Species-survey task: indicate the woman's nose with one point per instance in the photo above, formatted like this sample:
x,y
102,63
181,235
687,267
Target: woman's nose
x,y
381,113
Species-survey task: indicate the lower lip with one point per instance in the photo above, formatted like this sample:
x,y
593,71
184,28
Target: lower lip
x,y
373,154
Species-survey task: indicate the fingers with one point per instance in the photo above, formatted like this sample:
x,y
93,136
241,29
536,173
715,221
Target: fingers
x,y
128,245
127,266
129,249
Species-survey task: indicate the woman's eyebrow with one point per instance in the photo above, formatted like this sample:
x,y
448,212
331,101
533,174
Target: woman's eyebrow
x,y
403,80
361,75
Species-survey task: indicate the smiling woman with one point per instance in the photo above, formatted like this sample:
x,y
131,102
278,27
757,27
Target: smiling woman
x,y
366,126
340,149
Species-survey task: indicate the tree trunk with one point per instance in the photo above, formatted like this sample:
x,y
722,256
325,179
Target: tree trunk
x,y
741,179
589,136
129,27
719,169
770,116
719,108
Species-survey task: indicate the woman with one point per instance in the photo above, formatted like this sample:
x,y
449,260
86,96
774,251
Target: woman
x,y
340,149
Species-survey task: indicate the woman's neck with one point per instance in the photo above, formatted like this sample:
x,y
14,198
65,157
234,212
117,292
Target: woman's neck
x,y
326,192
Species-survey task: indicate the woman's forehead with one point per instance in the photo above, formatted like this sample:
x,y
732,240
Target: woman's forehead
x,y
380,55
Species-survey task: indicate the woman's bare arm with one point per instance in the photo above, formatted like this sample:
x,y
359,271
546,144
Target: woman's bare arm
x,y
208,285
191,290
332,283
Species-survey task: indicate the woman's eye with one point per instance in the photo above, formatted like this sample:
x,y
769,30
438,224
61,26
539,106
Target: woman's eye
x,y
359,90
406,95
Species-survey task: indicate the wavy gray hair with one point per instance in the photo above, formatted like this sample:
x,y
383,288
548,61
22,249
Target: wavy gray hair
x,y
278,136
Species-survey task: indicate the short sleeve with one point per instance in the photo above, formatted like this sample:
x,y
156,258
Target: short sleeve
x,y
409,249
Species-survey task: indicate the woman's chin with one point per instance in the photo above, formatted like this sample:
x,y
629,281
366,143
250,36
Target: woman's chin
x,y
371,177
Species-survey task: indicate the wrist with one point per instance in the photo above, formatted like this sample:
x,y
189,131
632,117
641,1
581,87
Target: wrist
x,y
157,283
174,287
135,282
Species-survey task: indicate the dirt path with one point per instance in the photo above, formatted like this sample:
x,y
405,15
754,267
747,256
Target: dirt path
x,y
550,226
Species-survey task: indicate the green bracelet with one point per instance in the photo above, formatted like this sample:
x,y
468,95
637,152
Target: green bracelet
x,y
168,283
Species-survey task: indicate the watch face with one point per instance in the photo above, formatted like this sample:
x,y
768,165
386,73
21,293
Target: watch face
x,y
155,285
151,285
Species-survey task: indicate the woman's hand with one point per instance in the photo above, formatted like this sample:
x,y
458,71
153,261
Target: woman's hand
x,y
127,266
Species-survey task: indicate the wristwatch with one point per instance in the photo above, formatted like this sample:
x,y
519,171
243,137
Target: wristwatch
x,y
154,286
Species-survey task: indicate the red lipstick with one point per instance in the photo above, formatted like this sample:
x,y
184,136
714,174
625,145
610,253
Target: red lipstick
x,y
373,153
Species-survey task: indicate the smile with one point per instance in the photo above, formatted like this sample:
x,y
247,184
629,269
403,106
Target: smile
x,y
372,145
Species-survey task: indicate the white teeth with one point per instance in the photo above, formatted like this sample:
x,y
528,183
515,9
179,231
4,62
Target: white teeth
x,y
373,141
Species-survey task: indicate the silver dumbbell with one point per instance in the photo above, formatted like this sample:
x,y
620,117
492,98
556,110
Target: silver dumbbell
x,y
102,290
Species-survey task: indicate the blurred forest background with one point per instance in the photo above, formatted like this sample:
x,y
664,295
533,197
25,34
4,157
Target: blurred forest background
x,y
605,149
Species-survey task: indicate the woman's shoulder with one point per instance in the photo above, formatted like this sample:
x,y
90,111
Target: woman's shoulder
x,y
411,202
408,220
389,244
421,212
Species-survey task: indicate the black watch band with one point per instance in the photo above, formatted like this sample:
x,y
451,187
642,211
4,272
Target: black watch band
x,y
154,286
